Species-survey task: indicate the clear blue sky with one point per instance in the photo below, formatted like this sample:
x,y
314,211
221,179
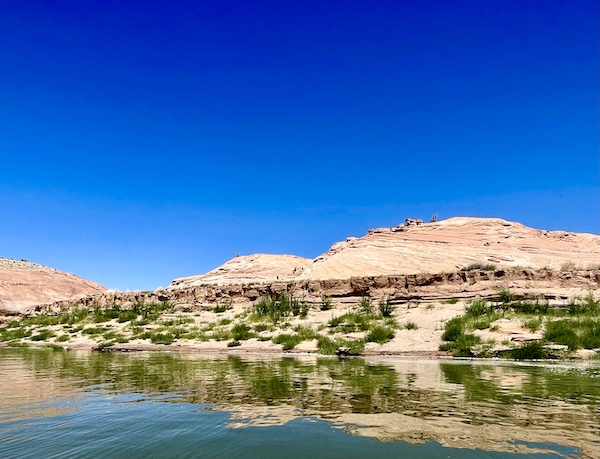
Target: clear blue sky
x,y
142,141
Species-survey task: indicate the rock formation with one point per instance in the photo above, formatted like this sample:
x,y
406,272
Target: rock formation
x,y
417,247
249,269
24,284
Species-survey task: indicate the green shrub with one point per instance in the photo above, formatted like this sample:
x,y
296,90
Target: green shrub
x,y
350,322
328,346
63,338
365,306
386,308
453,329
462,346
94,330
42,335
380,335
533,350
9,334
326,303
287,340
263,327
241,332
476,308
505,296
127,315
225,305
234,343
450,301
411,326
533,324
162,338
105,314
530,306
575,333
562,332
276,308
479,266
178,321
586,305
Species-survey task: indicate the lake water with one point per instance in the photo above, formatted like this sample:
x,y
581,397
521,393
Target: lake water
x,y
168,405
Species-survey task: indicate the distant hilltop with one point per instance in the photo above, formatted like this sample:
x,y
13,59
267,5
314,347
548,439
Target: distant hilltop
x,y
416,247
24,284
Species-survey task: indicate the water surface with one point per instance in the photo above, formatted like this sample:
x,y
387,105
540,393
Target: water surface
x,y
102,405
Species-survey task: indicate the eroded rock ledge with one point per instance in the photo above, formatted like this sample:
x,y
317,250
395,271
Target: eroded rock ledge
x,y
555,286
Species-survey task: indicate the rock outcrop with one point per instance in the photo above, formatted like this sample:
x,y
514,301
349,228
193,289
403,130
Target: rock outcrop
x,y
24,284
415,248
249,269
450,245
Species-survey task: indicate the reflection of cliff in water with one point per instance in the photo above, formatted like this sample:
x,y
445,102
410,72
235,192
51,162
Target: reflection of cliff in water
x,y
469,405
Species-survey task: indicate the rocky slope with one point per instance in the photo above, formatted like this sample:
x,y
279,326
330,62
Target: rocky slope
x,y
248,269
452,244
24,284
444,246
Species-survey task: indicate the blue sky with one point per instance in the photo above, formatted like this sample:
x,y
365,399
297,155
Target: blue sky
x,y
142,141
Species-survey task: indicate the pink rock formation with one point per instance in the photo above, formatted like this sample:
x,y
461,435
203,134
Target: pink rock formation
x,y
24,284
450,245
249,269
442,246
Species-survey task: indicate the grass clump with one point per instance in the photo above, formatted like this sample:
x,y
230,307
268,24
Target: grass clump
x,y
326,303
477,308
450,301
533,324
411,326
241,332
453,329
586,305
386,308
223,306
576,334
162,338
479,267
568,266
380,335
365,306
10,334
94,330
278,307
328,346
43,334
261,327
533,350
456,339
287,340
350,322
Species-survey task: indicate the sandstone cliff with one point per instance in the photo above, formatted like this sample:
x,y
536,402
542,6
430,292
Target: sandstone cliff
x,y
24,284
247,269
444,246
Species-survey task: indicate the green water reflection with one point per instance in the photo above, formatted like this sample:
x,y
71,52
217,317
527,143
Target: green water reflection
x,y
475,405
